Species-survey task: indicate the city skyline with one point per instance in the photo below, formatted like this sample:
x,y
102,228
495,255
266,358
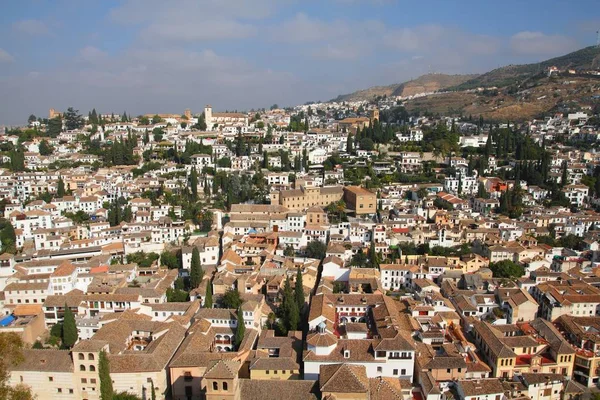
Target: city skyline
x,y
145,57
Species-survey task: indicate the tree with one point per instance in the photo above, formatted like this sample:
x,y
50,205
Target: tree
x,y
359,259
507,269
73,119
240,329
69,333
106,388
289,251
316,249
349,142
11,348
45,148
152,391
289,308
54,127
299,291
564,179
177,295
31,118
196,271
208,301
93,117
125,396
194,183
169,259
231,299
157,134
17,160
60,191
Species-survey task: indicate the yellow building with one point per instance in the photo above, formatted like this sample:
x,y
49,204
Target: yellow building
x,y
306,197
535,347
360,200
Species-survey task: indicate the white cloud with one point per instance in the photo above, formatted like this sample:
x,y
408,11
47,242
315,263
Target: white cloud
x,y
538,43
193,31
5,57
91,54
31,27
191,20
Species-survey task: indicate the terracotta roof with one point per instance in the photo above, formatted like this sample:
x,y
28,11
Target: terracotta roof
x,y
44,361
222,369
278,390
343,378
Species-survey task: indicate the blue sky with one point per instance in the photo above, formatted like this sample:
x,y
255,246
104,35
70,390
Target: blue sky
x,y
147,56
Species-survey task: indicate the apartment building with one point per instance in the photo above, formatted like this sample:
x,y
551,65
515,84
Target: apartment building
x,y
306,197
361,201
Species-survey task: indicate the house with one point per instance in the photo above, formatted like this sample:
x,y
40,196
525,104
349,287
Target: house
x,y
480,388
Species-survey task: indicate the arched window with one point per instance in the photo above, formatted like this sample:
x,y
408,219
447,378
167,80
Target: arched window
x,y
92,368
91,357
215,386
81,356
82,367
224,385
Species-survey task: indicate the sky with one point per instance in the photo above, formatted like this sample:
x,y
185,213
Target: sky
x,y
156,56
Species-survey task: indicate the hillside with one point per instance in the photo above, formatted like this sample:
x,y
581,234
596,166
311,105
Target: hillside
x,y
423,84
586,58
539,96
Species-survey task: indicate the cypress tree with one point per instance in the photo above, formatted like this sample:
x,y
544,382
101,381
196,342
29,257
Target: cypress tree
x,y
564,177
194,183
152,391
208,301
299,291
196,272
206,188
240,330
349,142
293,319
106,388
69,329
60,191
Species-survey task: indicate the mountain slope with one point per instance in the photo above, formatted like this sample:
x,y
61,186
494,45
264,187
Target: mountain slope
x,y
588,57
423,84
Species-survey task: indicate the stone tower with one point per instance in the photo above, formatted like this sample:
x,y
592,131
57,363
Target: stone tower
x,y
208,117
374,114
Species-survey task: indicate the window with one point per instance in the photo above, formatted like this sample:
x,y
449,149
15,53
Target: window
x,y
83,380
92,368
82,367
91,357
395,372
403,372
379,370
215,386
59,390
224,385
93,381
70,391
50,379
